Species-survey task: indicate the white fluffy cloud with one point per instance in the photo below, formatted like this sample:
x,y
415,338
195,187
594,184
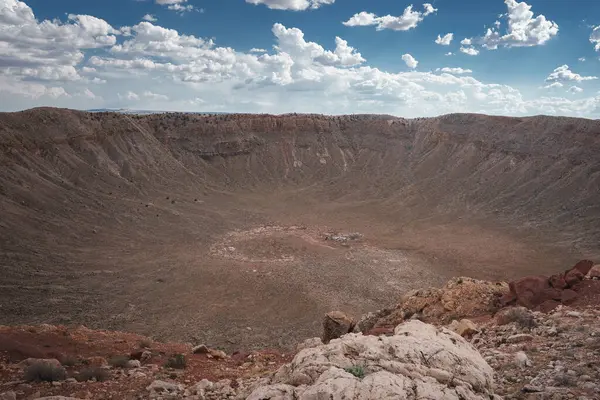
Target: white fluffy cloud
x,y
179,6
523,29
455,71
294,5
470,50
48,50
575,89
554,85
149,18
410,61
86,63
408,20
445,40
595,38
564,74
256,50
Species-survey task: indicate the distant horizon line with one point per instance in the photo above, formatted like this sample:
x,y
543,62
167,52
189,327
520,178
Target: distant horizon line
x,y
125,110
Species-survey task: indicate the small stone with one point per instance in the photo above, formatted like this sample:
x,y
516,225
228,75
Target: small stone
x,y
532,389
71,380
146,355
464,328
133,364
218,354
521,360
574,314
200,349
519,338
56,383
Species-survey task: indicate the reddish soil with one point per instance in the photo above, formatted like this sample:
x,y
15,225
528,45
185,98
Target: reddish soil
x,y
87,346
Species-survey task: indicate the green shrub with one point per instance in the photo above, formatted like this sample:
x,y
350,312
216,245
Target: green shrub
x,y
356,370
44,372
177,361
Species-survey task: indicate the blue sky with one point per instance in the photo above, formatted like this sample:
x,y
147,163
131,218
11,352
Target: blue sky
x,y
331,56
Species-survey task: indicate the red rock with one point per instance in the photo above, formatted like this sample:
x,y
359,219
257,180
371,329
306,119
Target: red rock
x,y
558,281
547,306
508,299
583,266
568,296
531,291
573,277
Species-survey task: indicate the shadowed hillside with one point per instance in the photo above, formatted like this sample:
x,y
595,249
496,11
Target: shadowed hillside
x,y
214,228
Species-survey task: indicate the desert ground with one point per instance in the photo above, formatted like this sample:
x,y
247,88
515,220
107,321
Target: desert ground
x,y
241,231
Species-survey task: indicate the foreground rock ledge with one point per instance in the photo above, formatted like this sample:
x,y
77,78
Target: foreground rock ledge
x,y
420,361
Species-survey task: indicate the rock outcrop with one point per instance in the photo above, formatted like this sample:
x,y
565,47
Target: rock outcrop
x,y
545,293
418,361
459,298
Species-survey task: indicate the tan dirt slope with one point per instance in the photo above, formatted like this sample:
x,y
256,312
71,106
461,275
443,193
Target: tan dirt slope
x,y
212,228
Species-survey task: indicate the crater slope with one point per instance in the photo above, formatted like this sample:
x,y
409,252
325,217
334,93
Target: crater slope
x,y
237,230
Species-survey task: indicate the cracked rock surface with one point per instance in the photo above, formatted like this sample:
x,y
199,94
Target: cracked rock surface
x,y
420,361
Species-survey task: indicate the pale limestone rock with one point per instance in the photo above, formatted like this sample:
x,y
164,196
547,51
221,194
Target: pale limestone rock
x,y
418,358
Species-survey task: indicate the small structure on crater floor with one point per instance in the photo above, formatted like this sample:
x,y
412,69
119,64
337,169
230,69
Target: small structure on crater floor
x,y
343,237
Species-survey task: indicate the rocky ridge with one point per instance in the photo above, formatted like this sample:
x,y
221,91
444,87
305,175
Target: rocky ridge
x,y
470,347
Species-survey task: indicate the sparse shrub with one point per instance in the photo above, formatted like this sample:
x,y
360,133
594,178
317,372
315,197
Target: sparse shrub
x,y
97,373
146,343
519,315
119,361
356,370
177,361
44,372
68,361
564,380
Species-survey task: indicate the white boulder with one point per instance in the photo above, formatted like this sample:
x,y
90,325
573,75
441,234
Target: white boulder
x,y
418,361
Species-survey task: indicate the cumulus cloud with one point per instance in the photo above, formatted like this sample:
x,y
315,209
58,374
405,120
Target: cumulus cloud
x,y
48,50
153,67
408,20
449,53
291,41
564,74
293,5
455,71
523,29
154,96
256,50
130,96
575,89
410,61
444,40
470,50
554,85
149,18
595,38
581,59
176,5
